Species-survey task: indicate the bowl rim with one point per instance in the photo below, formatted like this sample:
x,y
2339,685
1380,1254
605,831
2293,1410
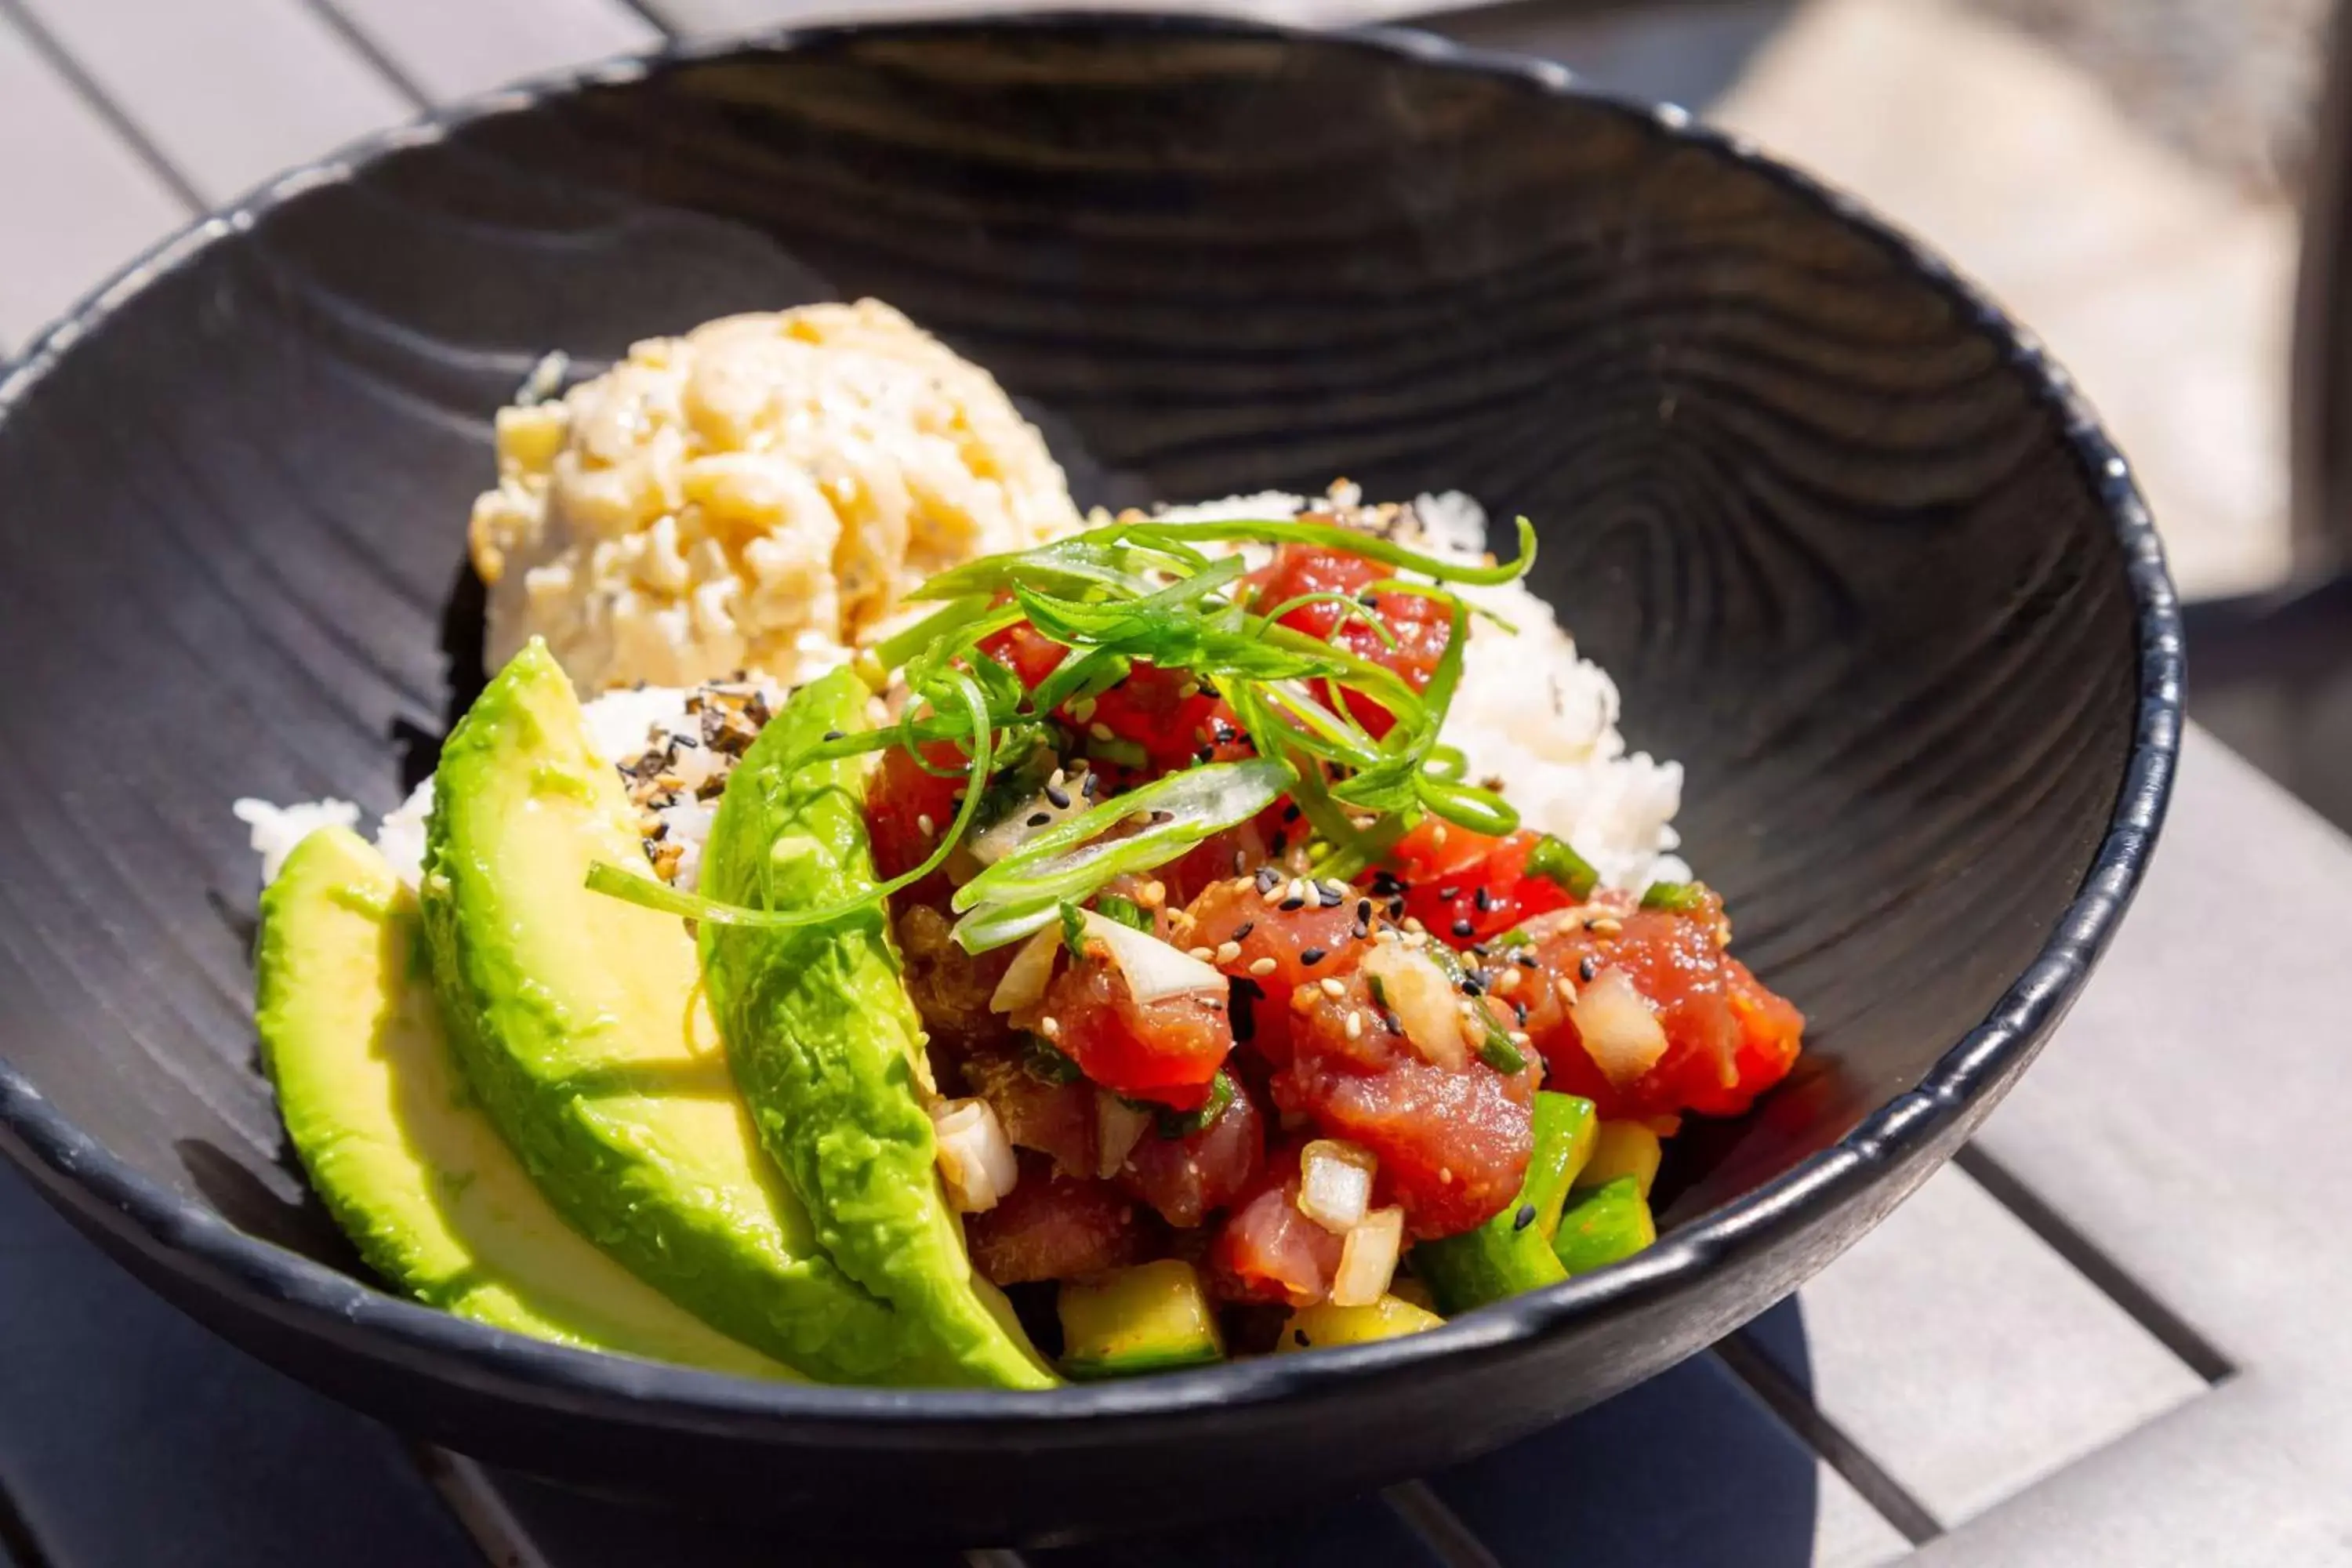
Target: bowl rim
x,y
188,1238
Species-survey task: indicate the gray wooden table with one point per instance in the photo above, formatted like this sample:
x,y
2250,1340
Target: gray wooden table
x,y
2109,1335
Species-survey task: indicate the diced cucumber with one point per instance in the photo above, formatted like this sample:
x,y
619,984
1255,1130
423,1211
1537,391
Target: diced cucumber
x,y
1604,1226
1407,1289
1154,1316
1311,1328
1622,1149
1512,1252
1566,1130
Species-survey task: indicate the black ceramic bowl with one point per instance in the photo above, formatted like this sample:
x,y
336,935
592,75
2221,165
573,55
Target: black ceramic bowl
x,y
1852,549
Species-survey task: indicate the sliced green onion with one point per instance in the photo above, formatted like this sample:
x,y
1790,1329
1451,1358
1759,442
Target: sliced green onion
x,y
1371,547
1556,862
1074,931
1676,898
1126,912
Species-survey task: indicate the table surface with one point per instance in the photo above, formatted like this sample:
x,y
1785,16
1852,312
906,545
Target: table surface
x,y
2106,1335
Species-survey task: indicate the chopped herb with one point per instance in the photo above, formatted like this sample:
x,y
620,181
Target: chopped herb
x,y
1514,939
1047,1063
1074,930
1185,1123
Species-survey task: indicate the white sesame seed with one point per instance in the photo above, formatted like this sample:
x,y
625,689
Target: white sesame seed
x,y
1507,982
1518,1038
1050,1027
1151,895
1203,953
1228,951
924,822
1264,966
1355,1025
1332,988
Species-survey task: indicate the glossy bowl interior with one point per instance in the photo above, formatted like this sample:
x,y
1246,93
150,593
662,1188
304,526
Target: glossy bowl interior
x,y
1850,551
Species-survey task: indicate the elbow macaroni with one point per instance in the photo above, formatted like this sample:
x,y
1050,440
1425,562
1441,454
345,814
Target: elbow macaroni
x,y
760,493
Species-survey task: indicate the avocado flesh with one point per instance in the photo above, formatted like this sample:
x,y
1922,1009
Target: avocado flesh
x,y
828,1049
581,1021
412,1170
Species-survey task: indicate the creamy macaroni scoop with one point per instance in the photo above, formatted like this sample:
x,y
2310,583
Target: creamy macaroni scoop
x,y
760,493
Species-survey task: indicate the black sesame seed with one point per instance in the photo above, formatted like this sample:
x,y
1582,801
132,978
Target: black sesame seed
x,y
1247,994
1369,600
1163,817
1059,797
1521,1010
1039,820
1363,911
1473,986
1281,842
688,741
1291,904
1463,928
1330,895
833,734
1242,930
1267,878
1300,1337
1525,1218
1310,956
1396,908
1484,900
1290,813
1089,785
1588,968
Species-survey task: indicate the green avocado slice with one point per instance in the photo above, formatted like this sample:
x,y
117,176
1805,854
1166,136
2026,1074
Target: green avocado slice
x,y
827,1047
411,1170
581,1023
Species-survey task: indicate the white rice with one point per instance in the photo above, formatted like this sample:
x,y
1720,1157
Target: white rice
x,y
1531,715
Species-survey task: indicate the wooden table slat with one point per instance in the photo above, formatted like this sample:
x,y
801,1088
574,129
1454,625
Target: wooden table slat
x,y
1689,1468
78,211
450,48
2029,1367
130,1437
231,91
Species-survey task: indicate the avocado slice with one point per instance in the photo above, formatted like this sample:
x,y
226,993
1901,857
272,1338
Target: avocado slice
x,y
828,1049
581,1021
412,1171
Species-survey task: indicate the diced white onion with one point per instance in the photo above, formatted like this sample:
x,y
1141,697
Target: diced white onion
x,y
1335,1184
1031,971
1418,993
1118,1128
975,1156
1153,968
1017,825
1367,1258
1619,1031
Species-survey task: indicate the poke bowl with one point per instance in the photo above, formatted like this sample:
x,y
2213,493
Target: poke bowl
x,y
1129,768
